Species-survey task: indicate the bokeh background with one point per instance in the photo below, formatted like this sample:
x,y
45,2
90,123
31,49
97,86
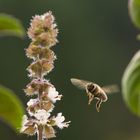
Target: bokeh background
x,y
96,42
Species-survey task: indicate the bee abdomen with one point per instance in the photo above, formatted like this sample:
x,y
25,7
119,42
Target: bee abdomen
x,y
92,88
102,96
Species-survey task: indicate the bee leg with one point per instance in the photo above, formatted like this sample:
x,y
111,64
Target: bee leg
x,y
91,97
98,104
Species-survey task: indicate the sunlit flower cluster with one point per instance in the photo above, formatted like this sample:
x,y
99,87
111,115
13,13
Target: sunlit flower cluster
x,y
43,30
43,33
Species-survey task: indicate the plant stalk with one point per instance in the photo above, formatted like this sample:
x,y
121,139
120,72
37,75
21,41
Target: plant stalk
x,y
40,132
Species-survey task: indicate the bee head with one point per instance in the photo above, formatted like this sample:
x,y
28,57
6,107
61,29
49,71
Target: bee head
x,y
91,87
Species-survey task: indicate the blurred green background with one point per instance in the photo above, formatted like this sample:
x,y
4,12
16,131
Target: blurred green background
x,y
96,42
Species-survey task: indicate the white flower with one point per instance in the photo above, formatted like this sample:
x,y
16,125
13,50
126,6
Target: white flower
x,y
53,95
59,121
24,121
32,102
42,116
28,126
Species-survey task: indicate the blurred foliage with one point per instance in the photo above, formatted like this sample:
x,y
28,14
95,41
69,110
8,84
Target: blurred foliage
x,y
10,25
131,84
131,77
11,108
134,10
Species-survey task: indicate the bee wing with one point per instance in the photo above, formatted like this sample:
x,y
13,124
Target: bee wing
x,y
111,89
81,84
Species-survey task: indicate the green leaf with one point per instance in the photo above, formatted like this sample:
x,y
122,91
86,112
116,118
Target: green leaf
x,y
134,10
138,37
10,25
131,84
11,108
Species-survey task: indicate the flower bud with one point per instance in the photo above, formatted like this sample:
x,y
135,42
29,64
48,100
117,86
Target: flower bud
x,y
40,68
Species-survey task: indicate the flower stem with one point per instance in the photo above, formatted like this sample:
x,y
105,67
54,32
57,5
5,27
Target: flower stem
x,y
40,132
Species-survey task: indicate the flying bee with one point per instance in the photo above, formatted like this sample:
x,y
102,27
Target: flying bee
x,y
94,91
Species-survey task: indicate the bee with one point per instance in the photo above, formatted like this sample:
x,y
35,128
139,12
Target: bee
x,y
94,91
